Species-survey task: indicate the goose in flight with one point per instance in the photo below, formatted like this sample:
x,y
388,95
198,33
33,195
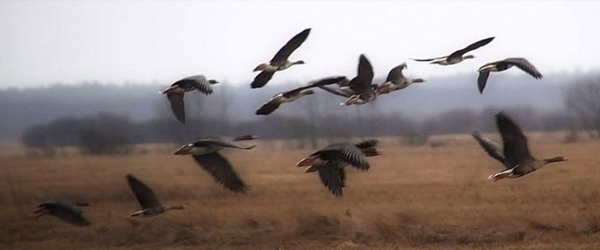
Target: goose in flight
x,y
361,84
177,89
497,66
396,81
146,198
457,56
330,161
280,60
514,152
206,153
64,210
295,94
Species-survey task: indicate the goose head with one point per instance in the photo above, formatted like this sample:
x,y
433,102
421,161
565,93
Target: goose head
x,y
417,80
211,81
555,159
298,62
468,57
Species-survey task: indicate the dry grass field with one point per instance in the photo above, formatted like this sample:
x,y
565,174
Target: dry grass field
x,y
411,198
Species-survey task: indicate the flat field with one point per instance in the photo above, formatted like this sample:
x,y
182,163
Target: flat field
x,y
412,198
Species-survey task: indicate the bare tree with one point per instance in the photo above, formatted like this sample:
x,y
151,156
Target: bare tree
x,y
582,99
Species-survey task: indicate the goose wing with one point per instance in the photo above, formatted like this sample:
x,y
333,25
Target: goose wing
x,y
349,153
395,74
490,147
514,142
143,193
198,81
317,83
473,46
482,80
287,49
66,211
261,79
176,100
222,171
331,178
268,107
221,143
428,60
362,82
524,65
334,91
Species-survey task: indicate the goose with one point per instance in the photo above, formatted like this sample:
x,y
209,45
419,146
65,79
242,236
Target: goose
x,y
330,161
361,84
176,90
206,153
457,56
64,210
279,61
396,81
147,199
514,152
502,65
295,94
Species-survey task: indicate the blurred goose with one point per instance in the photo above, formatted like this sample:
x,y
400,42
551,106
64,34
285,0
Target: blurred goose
x,y
361,84
497,66
295,94
280,60
64,210
514,153
206,153
177,89
457,56
146,198
396,81
330,161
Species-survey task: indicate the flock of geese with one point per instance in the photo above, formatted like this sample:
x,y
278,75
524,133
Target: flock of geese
x,y
330,161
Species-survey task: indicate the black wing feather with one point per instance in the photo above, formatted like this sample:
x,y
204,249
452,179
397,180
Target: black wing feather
x,y
222,171
514,142
261,79
177,106
290,46
524,65
330,177
143,193
473,46
395,74
490,147
268,108
482,80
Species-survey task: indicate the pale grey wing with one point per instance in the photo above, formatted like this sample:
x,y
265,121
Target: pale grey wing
x,y
222,171
349,153
473,46
222,143
201,84
333,91
68,212
318,83
362,82
143,193
261,79
287,49
177,107
524,65
482,80
395,74
490,147
268,108
514,142
330,177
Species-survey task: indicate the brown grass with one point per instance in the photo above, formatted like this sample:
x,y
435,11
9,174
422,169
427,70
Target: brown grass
x,y
412,198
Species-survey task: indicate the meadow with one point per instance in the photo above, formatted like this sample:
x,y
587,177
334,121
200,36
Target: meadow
x,y
413,197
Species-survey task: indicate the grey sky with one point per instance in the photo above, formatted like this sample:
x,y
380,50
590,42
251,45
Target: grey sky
x,y
45,42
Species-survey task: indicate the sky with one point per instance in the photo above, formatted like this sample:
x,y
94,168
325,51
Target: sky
x,y
119,42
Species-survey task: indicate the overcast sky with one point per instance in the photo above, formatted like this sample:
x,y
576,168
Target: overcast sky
x,y
44,42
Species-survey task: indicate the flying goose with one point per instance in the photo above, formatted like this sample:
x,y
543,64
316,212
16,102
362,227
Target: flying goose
x,y
514,153
361,84
457,56
147,199
295,94
396,81
521,63
177,89
330,161
64,210
206,153
280,60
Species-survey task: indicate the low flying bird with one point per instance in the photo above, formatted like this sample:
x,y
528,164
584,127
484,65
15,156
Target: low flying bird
x,y
64,210
330,161
295,94
514,152
457,56
396,81
177,89
206,153
502,65
147,199
280,60
361,84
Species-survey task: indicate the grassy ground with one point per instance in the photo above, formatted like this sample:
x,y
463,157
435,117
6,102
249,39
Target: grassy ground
x,y
411,198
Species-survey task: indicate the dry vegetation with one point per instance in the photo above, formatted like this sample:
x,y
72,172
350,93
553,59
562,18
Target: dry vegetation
x,y
412,198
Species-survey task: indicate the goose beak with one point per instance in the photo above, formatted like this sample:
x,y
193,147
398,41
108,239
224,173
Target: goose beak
x,y
183,150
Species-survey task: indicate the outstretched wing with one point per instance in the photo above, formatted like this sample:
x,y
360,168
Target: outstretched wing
x,y
268,108
331,178
177,107
221,143
349,153
473,46
395,74
261,79
290,46
514,142
491,147
143,193
318,83
482,80
428,60
222,171
362,82
333,91
524,65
